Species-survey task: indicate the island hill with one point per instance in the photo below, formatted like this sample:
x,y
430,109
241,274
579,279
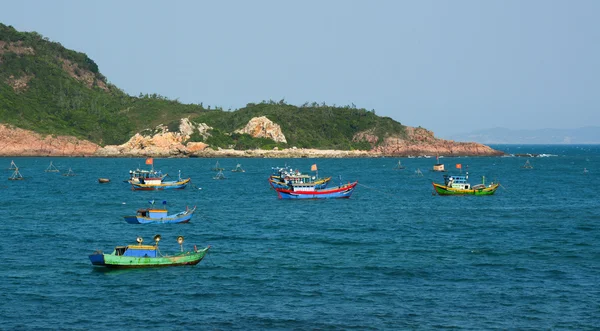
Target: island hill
x,y
55,102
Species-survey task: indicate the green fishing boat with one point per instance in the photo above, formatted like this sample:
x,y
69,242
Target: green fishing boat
x,y
458,185
143,256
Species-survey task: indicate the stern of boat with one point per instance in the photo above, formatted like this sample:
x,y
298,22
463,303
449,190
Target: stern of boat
x,y
97,258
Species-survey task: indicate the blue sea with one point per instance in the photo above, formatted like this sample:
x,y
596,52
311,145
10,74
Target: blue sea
x,y
393,256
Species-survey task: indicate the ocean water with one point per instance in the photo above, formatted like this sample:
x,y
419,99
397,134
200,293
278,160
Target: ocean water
x,y
393,256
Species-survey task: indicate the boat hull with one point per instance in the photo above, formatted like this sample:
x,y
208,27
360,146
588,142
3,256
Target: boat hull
x,y
183,217
122,262
445,190
343,191
162,186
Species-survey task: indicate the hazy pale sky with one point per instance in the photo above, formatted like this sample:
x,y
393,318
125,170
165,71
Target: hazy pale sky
x,y
448,66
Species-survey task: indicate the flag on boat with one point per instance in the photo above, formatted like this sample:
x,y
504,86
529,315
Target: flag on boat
x,y
458,166
149,160
313,167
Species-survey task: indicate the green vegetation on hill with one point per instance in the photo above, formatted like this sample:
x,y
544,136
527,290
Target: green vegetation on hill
x,y
310,125
47,88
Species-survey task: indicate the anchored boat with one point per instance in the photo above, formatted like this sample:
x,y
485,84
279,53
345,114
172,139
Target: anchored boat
x,y
143,256
311,192
458,185
159,216
287,177
159,184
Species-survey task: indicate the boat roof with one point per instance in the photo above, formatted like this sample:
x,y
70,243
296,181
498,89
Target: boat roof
x,y
135,246
456,177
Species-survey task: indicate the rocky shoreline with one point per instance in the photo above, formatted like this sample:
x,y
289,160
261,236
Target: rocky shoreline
x,y
20,142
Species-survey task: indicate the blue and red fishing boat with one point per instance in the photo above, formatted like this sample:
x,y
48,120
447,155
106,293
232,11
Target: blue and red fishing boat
x,y
159,215
311,192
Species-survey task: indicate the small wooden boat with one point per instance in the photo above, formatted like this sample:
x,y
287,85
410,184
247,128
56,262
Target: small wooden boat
x,y
310,192
159,216
458,185
438,166
16,175
399,166
217,167
143,256
238,168
220,175
52,168
103,180
69,173
159,185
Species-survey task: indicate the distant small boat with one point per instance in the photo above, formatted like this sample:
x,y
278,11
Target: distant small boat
x,y
51,168
418,173
438,166
103,180
144,256
220,175
159,216
69,173
16,175
527,165
12,166
399,166
238,168
585,171
217,167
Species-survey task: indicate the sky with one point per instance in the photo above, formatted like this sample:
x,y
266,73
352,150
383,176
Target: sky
x,y
448,66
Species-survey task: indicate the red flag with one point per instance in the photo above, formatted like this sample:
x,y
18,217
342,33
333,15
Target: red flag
x,y
458,166
313,167
149,160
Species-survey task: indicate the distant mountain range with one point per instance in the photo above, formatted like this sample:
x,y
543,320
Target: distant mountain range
x,y
584,135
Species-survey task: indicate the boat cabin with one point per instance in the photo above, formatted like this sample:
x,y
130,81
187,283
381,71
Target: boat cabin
x,y
136,251
152,213
299,179
145,176
457,182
